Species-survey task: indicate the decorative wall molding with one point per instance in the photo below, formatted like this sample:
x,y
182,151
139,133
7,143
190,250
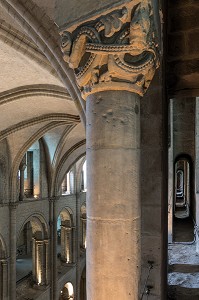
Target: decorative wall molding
x,y
118,51
33,91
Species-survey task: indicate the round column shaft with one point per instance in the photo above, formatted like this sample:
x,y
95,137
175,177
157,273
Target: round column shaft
x,y
21,193
54,241
4,266
113,198
13,250
46,243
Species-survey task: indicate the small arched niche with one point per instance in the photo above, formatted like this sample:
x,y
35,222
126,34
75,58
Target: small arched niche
x,y
84,178
67,293
29,173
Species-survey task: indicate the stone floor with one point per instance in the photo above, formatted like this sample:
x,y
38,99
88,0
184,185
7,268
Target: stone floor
x,y
26,291
23,266
183,269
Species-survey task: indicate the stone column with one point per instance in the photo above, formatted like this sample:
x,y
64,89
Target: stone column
x,y
4,279
170,175
54,241
13,250
114,59
83,287
1,283
21,191
46,261
53,248
197,171
73,243
22,169
66,244
38,261
62,243
72,181
34,270
113,199
83,233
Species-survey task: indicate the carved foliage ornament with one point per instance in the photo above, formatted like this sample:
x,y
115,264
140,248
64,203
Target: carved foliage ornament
x,y
116,52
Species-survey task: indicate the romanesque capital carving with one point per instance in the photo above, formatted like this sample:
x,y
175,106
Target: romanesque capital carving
x,y
118,51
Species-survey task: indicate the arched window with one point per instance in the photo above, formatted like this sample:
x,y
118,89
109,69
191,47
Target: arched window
x,y
84,178
68,183
29,173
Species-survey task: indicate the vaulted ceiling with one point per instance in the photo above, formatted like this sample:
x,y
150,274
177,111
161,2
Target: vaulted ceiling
x,y
38,94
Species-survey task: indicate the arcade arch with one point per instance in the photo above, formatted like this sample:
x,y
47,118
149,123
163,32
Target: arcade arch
x,y
32,251
67,292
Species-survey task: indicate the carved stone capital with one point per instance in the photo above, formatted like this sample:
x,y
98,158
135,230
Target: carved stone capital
x,y
118,51
13,205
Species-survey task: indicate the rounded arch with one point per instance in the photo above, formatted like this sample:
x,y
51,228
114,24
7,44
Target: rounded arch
x,y
183,156
32,244
46,38
67,292
66,214
38,222
66,210
36,90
